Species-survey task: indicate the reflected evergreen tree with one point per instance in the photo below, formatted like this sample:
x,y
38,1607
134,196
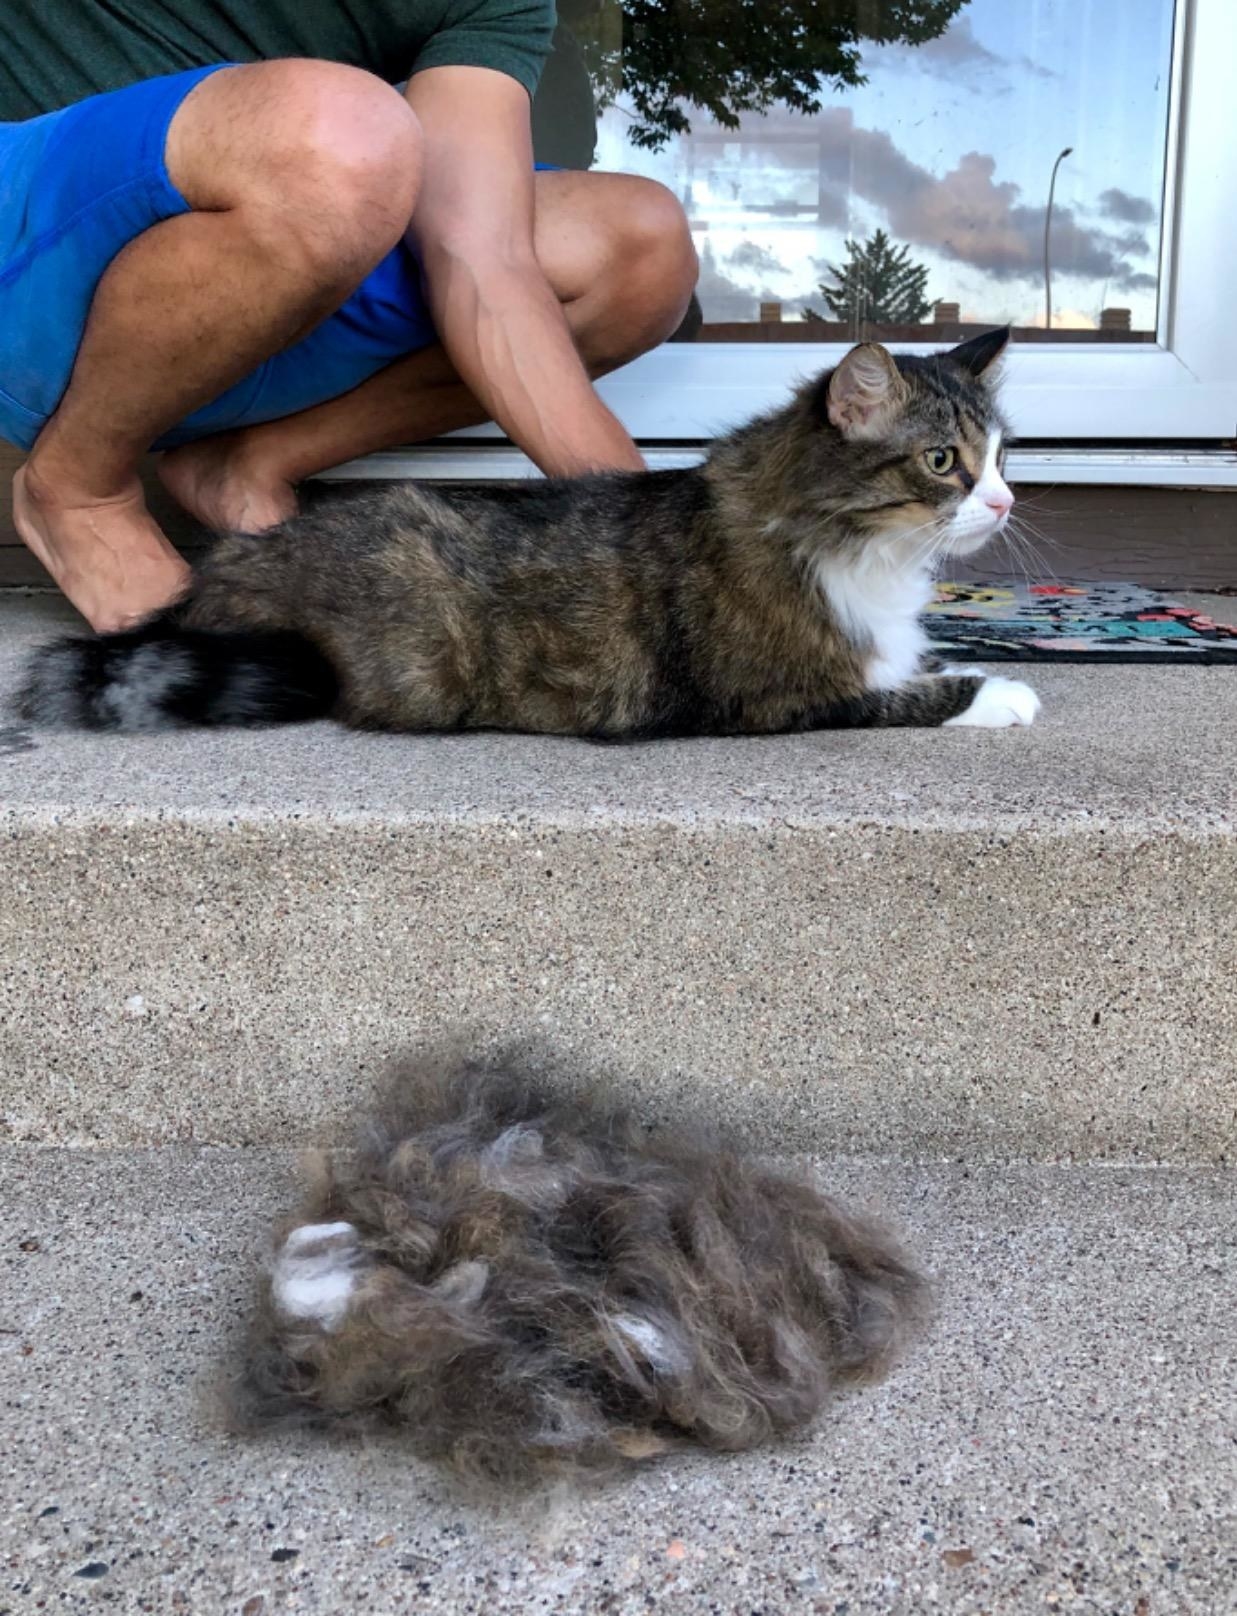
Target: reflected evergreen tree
x,y
878,285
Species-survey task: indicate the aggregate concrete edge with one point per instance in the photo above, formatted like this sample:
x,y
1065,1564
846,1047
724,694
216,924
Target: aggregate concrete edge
x,y
1199,825
873,989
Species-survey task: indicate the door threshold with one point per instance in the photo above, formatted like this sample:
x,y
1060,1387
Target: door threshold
x,y
470,460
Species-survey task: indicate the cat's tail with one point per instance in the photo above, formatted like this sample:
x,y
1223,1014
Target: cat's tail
x,y
162,675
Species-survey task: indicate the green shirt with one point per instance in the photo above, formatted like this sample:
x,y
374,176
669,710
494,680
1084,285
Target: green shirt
x,y
54,52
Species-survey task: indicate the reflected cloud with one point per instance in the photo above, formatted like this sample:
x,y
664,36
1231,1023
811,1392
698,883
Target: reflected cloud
x,y
954,54
721,297
929,155
1118,204
970,215
752,256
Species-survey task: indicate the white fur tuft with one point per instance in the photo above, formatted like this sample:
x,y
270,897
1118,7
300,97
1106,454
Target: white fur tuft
x,y
655,1344
877,603
464,1285
315,1273
312,1234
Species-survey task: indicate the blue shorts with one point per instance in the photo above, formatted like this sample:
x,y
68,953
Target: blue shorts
x,y
75,187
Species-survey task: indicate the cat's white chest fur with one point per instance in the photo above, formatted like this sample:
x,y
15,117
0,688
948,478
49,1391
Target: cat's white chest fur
x,y
878,604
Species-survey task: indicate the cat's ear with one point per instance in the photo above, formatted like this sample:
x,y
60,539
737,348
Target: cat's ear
x,y
977,354
864,392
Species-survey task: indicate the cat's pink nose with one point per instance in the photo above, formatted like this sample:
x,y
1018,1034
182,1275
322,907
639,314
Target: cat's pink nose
x,y
1000,504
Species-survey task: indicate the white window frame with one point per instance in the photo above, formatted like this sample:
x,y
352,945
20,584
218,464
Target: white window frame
x,y
1181,387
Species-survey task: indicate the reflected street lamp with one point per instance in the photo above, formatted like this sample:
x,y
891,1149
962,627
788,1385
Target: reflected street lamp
x,y
1052,185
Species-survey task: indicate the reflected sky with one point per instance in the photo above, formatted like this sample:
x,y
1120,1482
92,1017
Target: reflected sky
x,y
949,147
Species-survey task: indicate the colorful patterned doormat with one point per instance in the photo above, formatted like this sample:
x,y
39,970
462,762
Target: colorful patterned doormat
x,y
1073,623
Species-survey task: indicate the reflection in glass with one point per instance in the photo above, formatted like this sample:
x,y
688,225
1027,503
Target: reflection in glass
x,y
884,167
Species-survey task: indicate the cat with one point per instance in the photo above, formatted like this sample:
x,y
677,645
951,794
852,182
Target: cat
x,y
776,587
530,1286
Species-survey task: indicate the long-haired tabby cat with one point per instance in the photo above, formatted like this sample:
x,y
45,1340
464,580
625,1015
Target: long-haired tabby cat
x,y
776,587
530,1284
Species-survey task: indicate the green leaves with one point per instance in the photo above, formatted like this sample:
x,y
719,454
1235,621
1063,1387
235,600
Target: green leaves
x,y
728,57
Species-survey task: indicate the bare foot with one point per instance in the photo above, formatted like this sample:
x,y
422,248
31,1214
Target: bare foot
x,y
221,482
108,556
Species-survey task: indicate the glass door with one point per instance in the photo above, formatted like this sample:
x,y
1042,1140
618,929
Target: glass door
x,y
916,170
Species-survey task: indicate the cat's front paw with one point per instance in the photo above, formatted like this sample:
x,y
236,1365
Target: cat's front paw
x,y
999,704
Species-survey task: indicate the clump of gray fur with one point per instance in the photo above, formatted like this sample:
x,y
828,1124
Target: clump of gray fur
x,y
533,1286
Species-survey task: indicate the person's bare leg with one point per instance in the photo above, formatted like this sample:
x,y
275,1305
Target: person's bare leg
x,y
618,254
302,176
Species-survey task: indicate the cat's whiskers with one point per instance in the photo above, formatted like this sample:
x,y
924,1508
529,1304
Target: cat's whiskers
x,y
926,555
807,547
1028,528
938,533
1016,553
1035,502
1022,548
938,549
807,518
905,555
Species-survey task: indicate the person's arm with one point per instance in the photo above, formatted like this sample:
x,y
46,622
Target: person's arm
x,y
495,313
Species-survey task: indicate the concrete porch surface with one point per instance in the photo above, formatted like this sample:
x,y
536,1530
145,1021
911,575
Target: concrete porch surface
x,y
1062,1441
986,978
917,943
1135,748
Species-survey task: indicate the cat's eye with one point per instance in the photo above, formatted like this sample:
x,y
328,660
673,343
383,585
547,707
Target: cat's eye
x,y
941,461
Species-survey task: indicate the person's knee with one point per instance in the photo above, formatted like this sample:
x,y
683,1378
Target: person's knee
x,y
347,162
655,244
652,260
331,157
654,227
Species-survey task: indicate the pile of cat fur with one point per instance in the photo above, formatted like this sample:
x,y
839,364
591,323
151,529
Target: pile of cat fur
x,y
534,1287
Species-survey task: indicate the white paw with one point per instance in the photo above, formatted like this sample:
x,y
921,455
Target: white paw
x,y
315,1272
998,704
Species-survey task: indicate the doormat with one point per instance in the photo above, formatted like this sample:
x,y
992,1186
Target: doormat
x,y
1025,622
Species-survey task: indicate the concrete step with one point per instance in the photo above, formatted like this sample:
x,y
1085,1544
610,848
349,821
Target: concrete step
x,y
1063,1440
999,944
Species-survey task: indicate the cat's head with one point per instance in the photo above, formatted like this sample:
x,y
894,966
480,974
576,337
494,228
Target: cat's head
x,y
919,445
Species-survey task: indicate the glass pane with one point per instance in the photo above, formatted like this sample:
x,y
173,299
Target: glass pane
x,y
886,167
